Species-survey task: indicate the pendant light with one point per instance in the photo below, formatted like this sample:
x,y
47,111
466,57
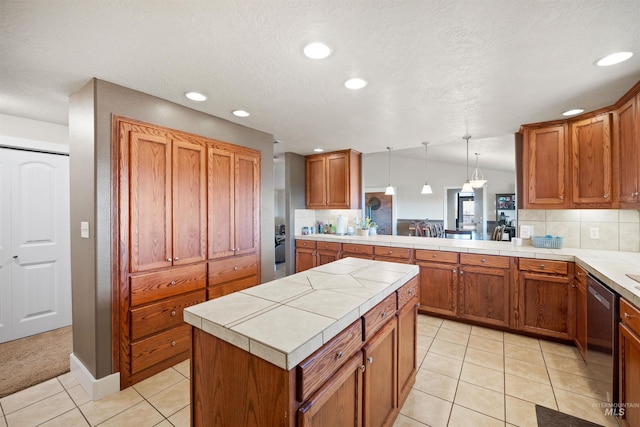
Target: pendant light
x,y
389,191
467,188
477,179
426,188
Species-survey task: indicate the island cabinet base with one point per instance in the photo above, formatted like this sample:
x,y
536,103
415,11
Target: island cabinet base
x,y
231,387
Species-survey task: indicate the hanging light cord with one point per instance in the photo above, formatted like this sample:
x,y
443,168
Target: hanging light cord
x,y
467,137
389,148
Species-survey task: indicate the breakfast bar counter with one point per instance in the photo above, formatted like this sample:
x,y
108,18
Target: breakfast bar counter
x,y
263,354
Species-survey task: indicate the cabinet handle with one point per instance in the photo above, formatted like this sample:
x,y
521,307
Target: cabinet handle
x,y
169,259
627,315
370,359
435,256
362,368
606,196
541,266
235,268
573,285
357,249
173,343
410,291
338,355
390,252
384,314
483,260
172,283
454,270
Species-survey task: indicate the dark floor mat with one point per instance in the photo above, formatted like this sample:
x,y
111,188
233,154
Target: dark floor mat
x,y
552,418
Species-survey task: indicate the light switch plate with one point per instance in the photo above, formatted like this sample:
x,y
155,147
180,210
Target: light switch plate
x,y
594,233
84,229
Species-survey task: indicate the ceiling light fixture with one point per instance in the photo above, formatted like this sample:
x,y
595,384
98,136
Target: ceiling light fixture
x,y
477,178
389,191
573,112
240,113
614,58
355,83
317,50
195,96
426,188
467,188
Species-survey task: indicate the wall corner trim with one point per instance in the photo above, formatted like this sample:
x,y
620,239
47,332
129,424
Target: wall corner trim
x,y
96,389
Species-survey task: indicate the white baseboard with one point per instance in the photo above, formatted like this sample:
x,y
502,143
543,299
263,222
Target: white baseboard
x,y
96,389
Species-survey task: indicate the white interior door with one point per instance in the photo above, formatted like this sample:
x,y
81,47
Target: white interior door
x,y
35,251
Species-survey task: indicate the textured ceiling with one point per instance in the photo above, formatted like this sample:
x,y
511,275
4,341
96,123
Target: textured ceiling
x,y
436,68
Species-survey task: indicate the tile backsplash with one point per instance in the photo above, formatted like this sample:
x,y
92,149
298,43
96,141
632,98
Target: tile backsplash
x,y
617,229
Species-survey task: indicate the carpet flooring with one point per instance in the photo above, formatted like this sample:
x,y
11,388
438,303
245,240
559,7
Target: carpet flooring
x,y
551,418
32,360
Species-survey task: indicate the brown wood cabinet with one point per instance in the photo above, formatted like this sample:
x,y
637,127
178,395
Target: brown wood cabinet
x,y
393,254
408,298
327,252
580,291
234,200
166,183
545,166
486,289
626,140
333,180
311,253
629,368
546,301
591,165
357,251
438,282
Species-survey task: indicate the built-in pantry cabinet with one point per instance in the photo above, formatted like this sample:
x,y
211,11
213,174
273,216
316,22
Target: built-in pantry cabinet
x,y
187,215
588,161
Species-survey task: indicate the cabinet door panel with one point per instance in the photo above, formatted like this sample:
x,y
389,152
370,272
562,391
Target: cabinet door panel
x,y
591,159
305,259
247,204
221,218
439,288
380,377
545,163
315,182
337,181
189,203
485,295
627,156
629,375
580,288
339,401
407,359
150,201
544,305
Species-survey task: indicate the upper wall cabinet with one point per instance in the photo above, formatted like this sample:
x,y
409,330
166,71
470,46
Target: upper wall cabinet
x,y
333,180
591,162
545,167
627,158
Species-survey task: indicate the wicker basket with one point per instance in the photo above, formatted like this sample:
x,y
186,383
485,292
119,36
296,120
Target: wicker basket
x,y
548,242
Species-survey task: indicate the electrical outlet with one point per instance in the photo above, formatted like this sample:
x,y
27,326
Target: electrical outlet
x,y
594,233
525,231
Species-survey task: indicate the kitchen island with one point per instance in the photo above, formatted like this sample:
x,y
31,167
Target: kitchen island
x,y
333,345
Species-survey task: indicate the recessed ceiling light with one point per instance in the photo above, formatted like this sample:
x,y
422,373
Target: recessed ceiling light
x,y
355,83
240,113
317,50
318,150
195,96
573,112
614,58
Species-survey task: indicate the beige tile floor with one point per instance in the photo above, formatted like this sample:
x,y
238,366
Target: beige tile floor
x,y
467,376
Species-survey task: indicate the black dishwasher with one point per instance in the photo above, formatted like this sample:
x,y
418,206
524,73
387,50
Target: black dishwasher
x,y
602,332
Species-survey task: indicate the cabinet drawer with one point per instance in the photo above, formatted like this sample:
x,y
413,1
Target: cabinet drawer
x,y
309,244
375,318
152,350
231,287
484,260
328,246
439,256
390,252
358,249
232,268
544,266
408,292
630,315
150,287
320,366
580,276
156,317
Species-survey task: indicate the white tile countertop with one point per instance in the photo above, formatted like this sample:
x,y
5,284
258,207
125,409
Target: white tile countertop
x,y
286,320
610,267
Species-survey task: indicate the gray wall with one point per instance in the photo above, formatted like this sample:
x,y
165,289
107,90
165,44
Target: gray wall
x,y
92,198
294,175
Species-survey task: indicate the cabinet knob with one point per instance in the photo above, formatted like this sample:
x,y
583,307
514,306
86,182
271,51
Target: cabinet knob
x,y
338,355
541,266
235,268
561,197
370,359
176,258
483,260
454,270
384,314
462,273
390,252
172,283
173,343
635,193
169,259
606,196
362,368
627,315
357,249
435,256
573,285
410,291
173,313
